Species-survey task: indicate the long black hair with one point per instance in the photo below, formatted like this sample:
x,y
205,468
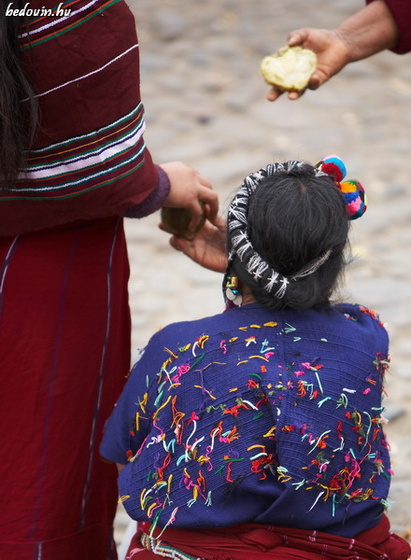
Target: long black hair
x,y
18,107
293,218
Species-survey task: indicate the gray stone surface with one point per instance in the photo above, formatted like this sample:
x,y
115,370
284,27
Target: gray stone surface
x,y
205,105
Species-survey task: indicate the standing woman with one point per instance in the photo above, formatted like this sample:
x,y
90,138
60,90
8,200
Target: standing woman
x,y
72,163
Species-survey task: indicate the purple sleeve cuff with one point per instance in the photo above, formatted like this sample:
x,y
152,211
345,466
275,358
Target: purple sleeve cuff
x,y
154,200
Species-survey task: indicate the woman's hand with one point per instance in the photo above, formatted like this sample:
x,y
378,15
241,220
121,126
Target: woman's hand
x,y
188,190
368,31
332,55
207,247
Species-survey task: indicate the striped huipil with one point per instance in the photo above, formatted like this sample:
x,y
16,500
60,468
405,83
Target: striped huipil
x,y
64,315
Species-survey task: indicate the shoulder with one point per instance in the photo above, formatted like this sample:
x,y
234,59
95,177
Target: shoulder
x,y
349,327
358,313
361,321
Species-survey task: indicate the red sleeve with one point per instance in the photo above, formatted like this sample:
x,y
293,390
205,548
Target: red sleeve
x,y
401,11
89,159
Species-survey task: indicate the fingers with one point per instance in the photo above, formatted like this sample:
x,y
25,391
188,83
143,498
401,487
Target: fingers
x,y
204,182
177,243
221,224
197,212
315,81
206,203
184,245
210,200
297,37
293,95
273,94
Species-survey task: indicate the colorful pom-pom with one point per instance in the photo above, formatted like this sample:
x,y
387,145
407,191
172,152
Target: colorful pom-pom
x,y
334,167
352,191
355,198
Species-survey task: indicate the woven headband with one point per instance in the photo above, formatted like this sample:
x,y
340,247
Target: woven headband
x,y
241,247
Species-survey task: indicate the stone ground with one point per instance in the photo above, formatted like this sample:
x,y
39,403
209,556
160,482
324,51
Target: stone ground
x,y
205,105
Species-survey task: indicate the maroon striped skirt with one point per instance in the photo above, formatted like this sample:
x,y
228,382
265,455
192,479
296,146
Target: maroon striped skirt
x,y
64,357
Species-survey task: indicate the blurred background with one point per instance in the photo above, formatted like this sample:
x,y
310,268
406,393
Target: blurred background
x,y
205,105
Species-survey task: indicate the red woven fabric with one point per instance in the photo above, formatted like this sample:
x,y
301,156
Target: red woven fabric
x,y
276,543
64,339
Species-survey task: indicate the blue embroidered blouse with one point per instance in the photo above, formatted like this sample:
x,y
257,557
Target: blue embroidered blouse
x,y
257,416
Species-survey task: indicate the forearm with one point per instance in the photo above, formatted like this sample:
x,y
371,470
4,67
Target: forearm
x,y
369,31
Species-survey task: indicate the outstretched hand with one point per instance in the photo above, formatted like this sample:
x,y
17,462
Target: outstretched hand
x,y
368,31
207,247
332,55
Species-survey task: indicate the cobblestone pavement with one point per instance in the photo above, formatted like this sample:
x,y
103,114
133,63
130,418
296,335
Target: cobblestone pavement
x,y
205,105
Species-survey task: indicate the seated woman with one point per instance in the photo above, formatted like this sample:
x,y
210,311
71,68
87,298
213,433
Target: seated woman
x,y
258,432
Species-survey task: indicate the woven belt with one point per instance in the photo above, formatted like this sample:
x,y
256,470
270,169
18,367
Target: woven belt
x,y
162,549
